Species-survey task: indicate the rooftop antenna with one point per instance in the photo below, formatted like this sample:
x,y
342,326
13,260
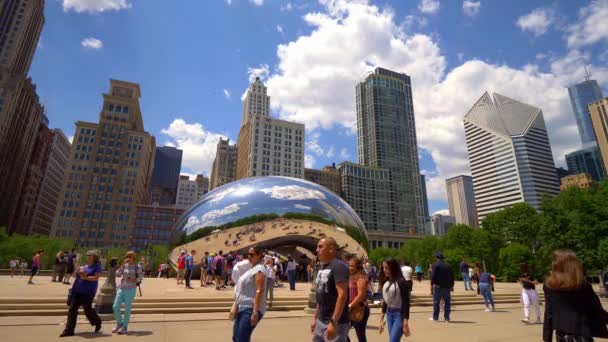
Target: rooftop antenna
x,y
587,74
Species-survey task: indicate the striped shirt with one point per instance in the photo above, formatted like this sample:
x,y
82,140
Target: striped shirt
x,y
247,289
130,275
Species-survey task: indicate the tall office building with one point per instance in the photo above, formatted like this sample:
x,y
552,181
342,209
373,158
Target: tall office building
x,y
509,153
425,199
329,177
167,166
202,185
109,173
223,170
581,95
461,200
52,181
387,139
267,146
154,225
587,160
599,118
190,192
21,114
440,224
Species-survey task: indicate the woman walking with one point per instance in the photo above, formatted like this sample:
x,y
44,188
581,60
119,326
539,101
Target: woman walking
x,y
419,273
529,295
131,274
271,273
357,292
83,293
251,299
395,303
486,280
572,308
57,267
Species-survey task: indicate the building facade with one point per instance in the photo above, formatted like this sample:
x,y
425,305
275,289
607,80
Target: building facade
x,y
22,22
202,185
387,139
440,224
109,173
369,192
167,166
425,200
581,95
509,154
329,177
587,160
257,101
187,192
461,200
154,225
598,111
268,146
223,170
580,180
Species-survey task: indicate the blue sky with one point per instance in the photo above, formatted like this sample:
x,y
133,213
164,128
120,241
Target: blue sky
x,y
195,60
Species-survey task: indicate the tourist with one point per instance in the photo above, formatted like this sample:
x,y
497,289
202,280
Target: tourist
x,y
442,283
357,293
204,269
464,271
419,273
271,272
209,280
70,267
189,268
13,265
218,268
35,265
331,320
237,271
83,293
181,266
529,295
291,273
486,282
476,274
407,270
131,275
572,308
430,274
230,260
395,302
251,299
57,266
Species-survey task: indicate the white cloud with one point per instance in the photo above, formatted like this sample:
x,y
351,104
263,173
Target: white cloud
x,y
261,71
444,212
71,139
199,145
331,152
95,6
471,8
229,2
293,192
309,161
286,7
279,29
344,155
429,6
592,25
92,43
538,21
312,144
301,206
316,75
435,187
227,94
257,2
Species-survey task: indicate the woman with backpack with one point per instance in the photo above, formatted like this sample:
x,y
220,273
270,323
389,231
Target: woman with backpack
x,y
131,274
395,302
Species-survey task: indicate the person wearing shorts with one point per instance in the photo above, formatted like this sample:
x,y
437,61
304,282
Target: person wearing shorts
x,y
35,265
13,264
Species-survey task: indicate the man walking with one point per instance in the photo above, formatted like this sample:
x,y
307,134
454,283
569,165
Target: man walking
x,y
218,269
464,270
442,283
35,265
189,267
331,321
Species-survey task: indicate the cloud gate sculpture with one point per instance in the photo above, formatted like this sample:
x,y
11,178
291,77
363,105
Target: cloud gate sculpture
x,y
277,213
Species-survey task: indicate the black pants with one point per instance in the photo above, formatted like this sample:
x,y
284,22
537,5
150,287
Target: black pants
x,y
188,276
86,302
361,326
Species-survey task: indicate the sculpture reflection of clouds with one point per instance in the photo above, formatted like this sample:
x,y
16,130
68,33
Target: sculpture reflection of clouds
x,y
267,195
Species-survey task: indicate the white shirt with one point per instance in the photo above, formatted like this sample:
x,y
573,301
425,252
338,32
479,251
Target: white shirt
x,y
237,271
13,263
407,272
291,266
271,272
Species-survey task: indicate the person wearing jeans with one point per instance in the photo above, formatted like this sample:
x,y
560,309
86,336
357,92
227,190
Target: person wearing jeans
x,y
250,299
464,270
485,287
442,283
130,274
189,268
395,302
291,273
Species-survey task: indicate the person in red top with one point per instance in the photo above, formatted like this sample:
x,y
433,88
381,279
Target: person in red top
x,y
35,265
181,266
357,294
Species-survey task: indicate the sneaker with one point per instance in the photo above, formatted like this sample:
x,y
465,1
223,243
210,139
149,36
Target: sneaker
x,y
116,328
123,331
66,334
487,310
432,319
98,327
30,283
526,320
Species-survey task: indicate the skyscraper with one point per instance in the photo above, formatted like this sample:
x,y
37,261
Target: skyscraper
x,y
509,153
202,185
223,170
440,224
581,95
267,146
461,200
425,200
329,177
599,118
588,160
109,174
21,114
167,166
387,139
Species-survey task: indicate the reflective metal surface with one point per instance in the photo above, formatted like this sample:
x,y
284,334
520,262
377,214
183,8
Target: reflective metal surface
x,y
288,198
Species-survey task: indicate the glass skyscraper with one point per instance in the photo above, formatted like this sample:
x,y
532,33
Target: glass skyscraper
x,y
581,95
165,176
387,139
587,160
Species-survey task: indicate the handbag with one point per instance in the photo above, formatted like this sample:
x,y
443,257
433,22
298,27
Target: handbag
x,y
357,312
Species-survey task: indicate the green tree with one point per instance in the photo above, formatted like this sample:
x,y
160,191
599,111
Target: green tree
x,y
519,223
378,255
510,257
